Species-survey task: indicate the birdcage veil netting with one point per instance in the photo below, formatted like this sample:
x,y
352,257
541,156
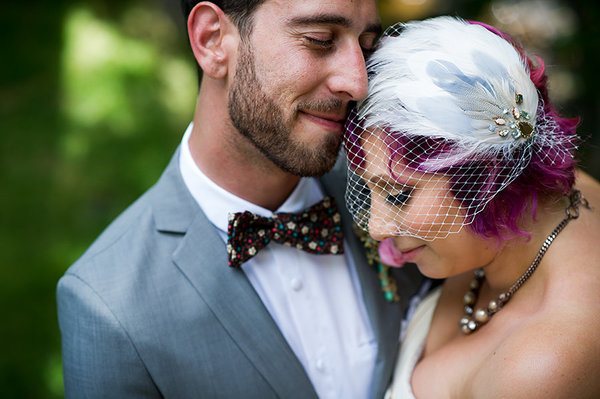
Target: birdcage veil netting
x,y
452,117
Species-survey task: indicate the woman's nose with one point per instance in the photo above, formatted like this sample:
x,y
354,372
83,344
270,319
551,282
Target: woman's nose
x,y
381,222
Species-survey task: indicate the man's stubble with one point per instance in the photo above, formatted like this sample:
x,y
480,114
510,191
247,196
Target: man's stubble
x,y
261,120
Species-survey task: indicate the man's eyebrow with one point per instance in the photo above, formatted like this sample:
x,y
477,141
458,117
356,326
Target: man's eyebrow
x,y
327,19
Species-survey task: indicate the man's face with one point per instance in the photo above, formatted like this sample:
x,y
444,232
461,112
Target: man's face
x,y
296,75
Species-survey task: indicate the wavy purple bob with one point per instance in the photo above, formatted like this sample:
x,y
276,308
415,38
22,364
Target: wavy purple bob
x,y
501,216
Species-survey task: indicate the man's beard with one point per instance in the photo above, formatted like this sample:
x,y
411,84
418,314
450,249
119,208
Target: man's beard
x,y
257,116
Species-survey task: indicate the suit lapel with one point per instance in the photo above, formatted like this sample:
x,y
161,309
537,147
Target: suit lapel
x,y
202,258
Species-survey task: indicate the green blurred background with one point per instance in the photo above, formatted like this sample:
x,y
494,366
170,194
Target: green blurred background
x,y
94,98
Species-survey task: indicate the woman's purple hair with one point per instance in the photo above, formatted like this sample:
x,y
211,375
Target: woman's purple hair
x,y
503,215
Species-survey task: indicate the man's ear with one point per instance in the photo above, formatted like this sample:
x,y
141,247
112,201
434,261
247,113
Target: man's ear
x,y
207,29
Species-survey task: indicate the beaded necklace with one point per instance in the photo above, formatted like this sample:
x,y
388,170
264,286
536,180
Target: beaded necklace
x,y
473,319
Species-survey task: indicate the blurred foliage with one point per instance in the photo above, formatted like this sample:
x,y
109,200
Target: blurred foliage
x,y
94,97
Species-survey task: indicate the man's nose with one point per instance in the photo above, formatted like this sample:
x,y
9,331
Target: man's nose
x,y
349,73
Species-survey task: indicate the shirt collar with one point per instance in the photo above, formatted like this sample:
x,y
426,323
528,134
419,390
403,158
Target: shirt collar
x,y
217,203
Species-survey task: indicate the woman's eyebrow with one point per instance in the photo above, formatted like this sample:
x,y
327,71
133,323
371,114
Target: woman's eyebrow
x,y
377,179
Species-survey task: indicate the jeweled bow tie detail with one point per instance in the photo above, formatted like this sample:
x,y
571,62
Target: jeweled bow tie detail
x,y
316,230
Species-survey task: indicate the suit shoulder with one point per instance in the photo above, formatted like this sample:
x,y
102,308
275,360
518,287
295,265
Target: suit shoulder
x,y
130,245
132,221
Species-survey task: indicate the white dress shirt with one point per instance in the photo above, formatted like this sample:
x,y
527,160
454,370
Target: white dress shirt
x,y
315,300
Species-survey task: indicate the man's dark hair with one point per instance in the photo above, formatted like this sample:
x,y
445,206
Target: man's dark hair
x,y
240,11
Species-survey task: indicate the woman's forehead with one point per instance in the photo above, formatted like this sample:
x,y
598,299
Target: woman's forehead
x,y
383,161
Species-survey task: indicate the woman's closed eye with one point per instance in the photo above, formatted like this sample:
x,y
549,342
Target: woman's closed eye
x,y
395,193
398,199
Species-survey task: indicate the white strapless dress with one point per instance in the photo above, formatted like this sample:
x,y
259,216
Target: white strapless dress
x,y
412,347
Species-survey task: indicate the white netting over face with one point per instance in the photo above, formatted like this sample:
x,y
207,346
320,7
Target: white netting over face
x,y
396,186
451,119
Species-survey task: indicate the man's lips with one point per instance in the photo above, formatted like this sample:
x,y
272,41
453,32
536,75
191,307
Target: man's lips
x,y
328,121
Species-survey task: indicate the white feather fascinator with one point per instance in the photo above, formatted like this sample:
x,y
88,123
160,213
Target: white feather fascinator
x,y
449,81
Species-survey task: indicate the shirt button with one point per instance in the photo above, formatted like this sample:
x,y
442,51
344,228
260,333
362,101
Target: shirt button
x,y
320,365
296,284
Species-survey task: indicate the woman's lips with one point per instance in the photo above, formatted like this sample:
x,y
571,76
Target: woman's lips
x,y
411,254
390,255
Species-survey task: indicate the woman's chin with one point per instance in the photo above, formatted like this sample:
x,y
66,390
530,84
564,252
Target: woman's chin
x,y
435,270
430,271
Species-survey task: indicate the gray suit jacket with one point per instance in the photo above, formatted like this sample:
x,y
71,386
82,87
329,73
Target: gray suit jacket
x,y
152,310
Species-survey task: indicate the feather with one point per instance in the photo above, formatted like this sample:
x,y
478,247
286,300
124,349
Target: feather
x,y
446,78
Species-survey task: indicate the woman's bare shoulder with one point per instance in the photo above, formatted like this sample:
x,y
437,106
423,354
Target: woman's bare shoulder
x,y
550,361
554,354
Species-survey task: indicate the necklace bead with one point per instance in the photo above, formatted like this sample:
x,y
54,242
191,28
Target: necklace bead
x,y
481,315
469,298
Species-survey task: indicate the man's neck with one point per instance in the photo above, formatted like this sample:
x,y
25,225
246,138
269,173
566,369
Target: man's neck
x,y
232,162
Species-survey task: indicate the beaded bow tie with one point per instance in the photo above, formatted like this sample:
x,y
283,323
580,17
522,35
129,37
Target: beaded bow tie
x,y
316,230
